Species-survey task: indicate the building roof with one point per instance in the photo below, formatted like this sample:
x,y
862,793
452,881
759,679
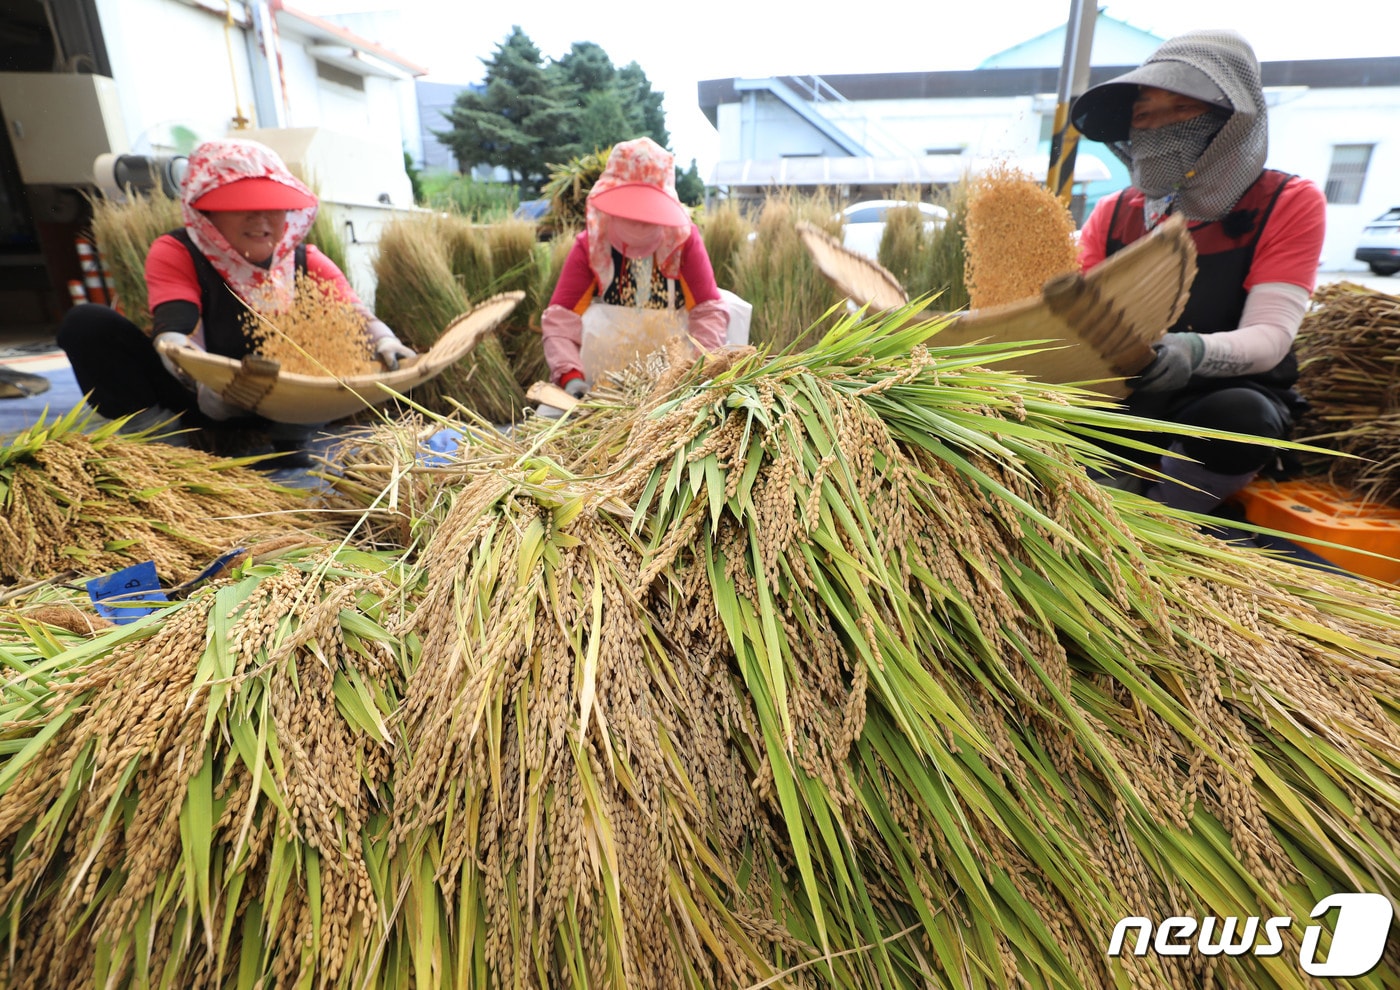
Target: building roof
x,y
1330,73
360,50
1115,42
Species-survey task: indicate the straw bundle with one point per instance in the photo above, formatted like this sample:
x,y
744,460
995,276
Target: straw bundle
x,y
838,672
776,275
805,649
418,296
318,334
1019,236
216,780
522,263
90,498
1348,352
726,232
124,233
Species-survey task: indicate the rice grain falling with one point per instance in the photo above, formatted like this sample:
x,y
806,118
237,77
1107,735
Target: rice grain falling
x,y
320,334
1019,236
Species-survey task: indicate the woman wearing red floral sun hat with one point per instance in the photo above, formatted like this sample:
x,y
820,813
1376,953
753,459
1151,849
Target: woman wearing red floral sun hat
x,y
246,219
639,254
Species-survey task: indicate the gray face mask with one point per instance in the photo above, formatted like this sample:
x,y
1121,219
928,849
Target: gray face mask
x,y
1161,156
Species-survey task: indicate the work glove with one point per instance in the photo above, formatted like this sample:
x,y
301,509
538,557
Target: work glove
x,y
576,387
391,350
1178,355
213,406
173,338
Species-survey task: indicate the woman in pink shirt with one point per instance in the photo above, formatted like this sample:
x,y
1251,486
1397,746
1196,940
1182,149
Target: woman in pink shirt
x,y
242,245
639,254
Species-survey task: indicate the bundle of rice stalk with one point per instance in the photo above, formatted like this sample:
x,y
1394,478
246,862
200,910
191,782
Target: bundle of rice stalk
x,y
726,231
85,497
846,675
325,235
776,275
418,296
523,263
1019,236
929,262
199,798
124,233
469,254
1348,352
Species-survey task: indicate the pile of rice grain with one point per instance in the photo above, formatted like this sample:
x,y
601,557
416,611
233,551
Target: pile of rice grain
x,y
1019,236
319,334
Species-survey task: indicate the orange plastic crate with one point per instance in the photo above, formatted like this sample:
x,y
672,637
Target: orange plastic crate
x,y
1323,511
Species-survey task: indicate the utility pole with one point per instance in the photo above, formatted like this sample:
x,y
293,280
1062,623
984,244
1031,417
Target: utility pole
x,y
1074,79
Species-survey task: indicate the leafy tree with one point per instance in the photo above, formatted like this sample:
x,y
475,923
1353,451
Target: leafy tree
x,y
646,116
530,114
689,186
520,120
415,177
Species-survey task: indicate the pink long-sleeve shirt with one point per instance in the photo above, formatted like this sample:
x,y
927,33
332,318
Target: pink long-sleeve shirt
x,y
562,321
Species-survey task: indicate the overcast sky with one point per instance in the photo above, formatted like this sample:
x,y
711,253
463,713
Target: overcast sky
x,y
680,44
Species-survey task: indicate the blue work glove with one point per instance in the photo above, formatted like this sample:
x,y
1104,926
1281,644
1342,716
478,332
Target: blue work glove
x,y
1178,356
577,387
391,351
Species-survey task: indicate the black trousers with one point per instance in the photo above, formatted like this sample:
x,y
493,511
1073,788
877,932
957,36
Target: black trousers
x,y
1249,409
117,367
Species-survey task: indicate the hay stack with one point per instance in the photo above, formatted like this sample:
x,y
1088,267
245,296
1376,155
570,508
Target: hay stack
x,y
1349,368
124,233
840,673
418,295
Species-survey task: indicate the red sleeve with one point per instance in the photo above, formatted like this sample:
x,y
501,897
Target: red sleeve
x,y
170,275
576,278
324,269
1093,237
696,271
1290,246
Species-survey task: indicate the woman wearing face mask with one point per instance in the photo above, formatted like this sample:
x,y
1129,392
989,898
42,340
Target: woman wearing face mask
x,y
639,251
246,217
1191,125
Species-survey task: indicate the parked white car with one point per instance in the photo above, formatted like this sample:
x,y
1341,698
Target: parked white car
x,y
1379,246
865,222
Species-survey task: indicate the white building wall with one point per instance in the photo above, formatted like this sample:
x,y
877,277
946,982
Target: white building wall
x,y
1302,133
173,69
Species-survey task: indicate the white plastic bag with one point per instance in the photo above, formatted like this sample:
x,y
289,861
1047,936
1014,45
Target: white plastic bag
x,y
740,316
615,336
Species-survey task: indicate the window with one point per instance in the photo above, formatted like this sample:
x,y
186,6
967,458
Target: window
x,y
1348,172
343,77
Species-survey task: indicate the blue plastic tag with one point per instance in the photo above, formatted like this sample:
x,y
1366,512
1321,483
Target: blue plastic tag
x,y
117,596
443,442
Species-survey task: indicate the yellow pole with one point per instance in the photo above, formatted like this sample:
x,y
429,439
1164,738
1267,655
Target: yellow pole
x,y
1074,79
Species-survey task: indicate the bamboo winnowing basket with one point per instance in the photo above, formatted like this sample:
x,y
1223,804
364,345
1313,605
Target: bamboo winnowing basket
x,y
259,385
1099,326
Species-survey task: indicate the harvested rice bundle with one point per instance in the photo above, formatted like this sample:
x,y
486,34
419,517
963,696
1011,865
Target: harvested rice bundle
x,y
1019,236
842,673
318,334
199,799
418,295
124,233
847,665
95,500
776,275
1349,367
